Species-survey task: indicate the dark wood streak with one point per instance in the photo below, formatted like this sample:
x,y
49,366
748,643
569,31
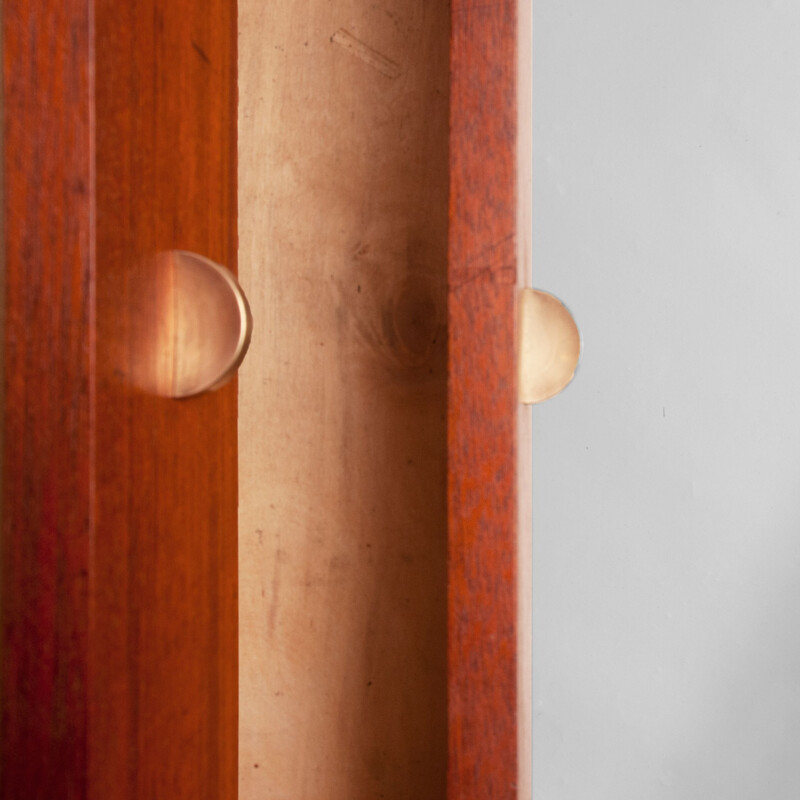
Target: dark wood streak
x,y
482,404
119,557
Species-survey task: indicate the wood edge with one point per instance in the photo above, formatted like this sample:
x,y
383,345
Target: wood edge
x,y
483,599
524,413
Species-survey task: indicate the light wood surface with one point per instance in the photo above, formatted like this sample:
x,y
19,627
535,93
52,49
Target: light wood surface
x,y
343,127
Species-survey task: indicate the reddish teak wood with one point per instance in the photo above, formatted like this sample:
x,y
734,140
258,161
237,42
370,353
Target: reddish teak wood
x,y
47,475
482,404
119,558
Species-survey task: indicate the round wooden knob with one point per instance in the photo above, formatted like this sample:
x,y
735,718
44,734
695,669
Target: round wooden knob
x,y
193,325
550,346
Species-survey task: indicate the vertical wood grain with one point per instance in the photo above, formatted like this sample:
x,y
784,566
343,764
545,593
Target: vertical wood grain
x,y
343,187
165,557
482,404
119,530
48,470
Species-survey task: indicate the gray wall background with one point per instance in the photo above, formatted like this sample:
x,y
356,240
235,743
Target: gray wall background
x,y
667,476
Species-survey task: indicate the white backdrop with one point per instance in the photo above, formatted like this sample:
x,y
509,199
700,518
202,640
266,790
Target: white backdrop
x,y
667,477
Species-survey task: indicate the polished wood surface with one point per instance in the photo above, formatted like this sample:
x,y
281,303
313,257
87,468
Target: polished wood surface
x,y
483,453
119,529
47,466
343,194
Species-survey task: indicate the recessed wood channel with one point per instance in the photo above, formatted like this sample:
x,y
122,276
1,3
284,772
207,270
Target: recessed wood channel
x,y
343,215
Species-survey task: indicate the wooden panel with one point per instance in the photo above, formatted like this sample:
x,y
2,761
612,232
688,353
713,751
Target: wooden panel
x,y
166,637
119,531
485,654
343,230
47,461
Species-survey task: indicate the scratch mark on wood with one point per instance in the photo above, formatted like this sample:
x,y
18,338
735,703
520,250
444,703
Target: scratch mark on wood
x,y
503,274
276,592
202,53
363,51
496,262
466,9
